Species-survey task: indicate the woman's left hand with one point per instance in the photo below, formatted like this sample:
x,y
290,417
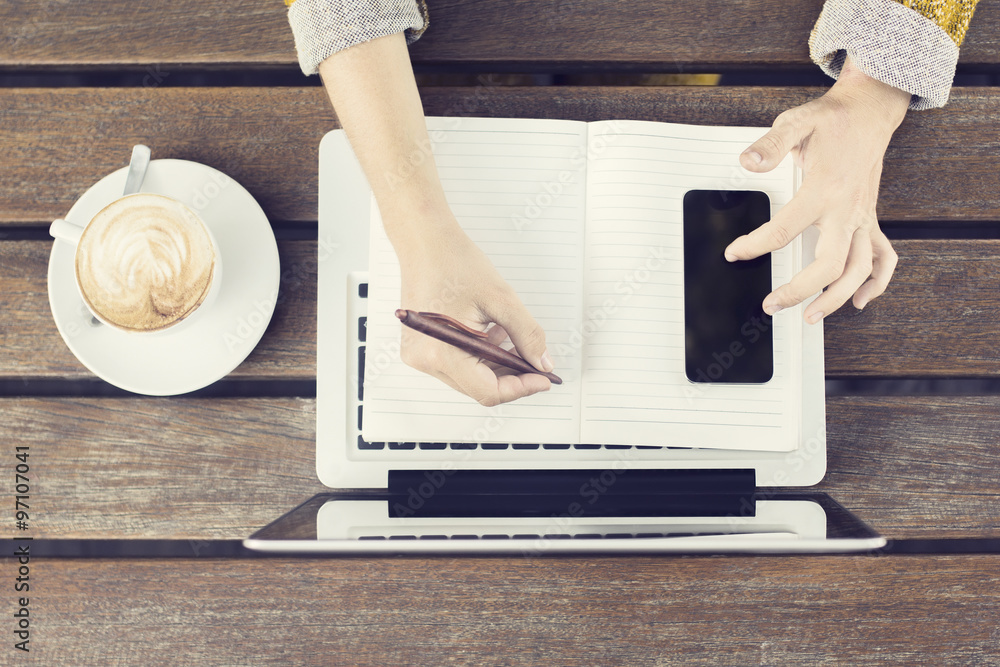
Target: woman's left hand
x,y
839,140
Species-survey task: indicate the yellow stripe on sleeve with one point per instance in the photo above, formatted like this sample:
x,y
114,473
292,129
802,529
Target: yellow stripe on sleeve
x,y
952,15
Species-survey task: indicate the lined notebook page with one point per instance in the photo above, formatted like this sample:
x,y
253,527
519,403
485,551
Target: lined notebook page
x,y
517,188
634,386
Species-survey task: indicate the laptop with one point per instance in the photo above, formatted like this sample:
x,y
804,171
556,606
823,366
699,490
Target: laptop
x,y
524,498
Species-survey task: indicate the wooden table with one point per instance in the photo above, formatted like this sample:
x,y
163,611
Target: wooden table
x,y
913,411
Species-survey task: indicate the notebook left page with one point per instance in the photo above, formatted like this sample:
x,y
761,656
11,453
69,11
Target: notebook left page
x,y
517,188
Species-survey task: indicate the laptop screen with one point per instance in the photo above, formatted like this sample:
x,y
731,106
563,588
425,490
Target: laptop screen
x,y
779,522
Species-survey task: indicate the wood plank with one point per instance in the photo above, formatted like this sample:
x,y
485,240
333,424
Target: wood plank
x,y
146,32
33,348
183,468
938,318
555,35
58,142
670,36
637,611
917,466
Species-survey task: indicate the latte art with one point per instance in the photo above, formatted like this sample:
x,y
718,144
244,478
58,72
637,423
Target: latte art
x,y
145,262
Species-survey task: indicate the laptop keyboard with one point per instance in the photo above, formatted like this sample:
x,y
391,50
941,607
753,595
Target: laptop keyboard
x,y
529,536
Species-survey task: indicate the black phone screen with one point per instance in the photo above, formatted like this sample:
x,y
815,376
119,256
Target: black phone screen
x,y
728,337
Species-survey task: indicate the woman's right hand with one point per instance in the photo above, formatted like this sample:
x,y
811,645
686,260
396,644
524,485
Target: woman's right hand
x,y
375,94
443,271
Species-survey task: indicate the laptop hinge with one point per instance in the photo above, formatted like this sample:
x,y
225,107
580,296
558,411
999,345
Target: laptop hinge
x,y
577,493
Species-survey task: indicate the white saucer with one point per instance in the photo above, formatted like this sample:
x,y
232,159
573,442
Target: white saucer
x,y
169,363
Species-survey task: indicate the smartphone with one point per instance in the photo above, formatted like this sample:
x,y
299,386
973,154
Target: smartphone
x,y
728,337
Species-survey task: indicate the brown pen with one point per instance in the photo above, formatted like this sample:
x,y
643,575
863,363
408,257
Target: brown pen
x,y
453,332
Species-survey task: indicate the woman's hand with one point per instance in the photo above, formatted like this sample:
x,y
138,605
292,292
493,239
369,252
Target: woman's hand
x,y
444,271
375,95
838,140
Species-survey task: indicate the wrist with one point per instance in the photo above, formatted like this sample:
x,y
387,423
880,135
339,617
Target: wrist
x,y
891,102
411,213
423,232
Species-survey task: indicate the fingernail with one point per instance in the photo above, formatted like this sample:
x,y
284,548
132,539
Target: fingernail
x,y
730,256
862,305
754,156
772,308
547,364
815,317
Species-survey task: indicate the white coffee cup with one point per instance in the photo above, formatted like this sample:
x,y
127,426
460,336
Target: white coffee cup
x,y
144,264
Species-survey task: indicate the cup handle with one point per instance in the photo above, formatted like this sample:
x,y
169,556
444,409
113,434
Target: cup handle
x,y
65,230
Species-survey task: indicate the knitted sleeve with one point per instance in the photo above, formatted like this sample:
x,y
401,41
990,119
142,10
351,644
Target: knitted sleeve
x,y
323,27
909,44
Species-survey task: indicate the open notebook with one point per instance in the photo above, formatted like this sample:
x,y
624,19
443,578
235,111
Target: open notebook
x,y
584,221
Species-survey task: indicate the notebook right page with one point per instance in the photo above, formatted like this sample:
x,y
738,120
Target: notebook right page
x,y
635,391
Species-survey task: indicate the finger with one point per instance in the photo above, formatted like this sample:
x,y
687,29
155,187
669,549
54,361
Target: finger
x,y
789,130
856,272
832,249
526,334
496,335
468,374
793,218
479,382
883,266
512,387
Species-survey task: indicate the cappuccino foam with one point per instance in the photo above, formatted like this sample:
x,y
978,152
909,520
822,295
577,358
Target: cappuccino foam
x,y
145,262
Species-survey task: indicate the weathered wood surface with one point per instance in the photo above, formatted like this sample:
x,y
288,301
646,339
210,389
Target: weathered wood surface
x,y
181,468
917,466
940,318
605,611
33,349
187,468
523,35
58,142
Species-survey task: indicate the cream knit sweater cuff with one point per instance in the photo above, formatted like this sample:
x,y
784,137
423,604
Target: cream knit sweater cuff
x,y
324,27
888,42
